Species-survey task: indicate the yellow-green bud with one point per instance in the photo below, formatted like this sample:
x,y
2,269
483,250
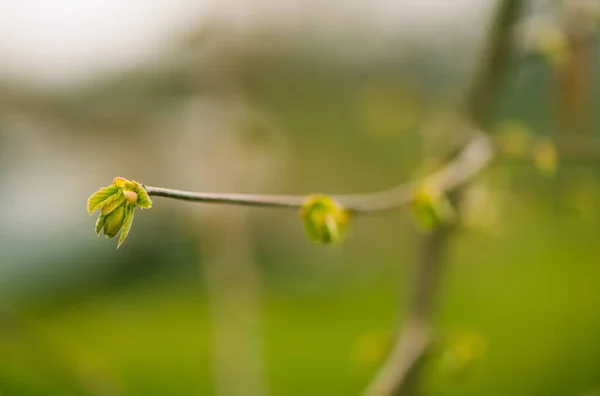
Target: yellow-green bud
x,y
325,221
114,221
117,203
431,208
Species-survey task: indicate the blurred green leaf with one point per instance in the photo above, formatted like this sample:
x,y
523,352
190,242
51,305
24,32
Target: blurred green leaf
x,y
431,208
545,156
552,43
371,347
513,138
461,352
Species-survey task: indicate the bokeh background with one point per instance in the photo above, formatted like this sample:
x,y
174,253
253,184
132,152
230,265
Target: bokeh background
x,y
295,96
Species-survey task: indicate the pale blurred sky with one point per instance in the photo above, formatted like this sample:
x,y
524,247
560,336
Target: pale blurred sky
x,y
61,41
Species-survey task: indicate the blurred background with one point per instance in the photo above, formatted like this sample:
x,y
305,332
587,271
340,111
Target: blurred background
x,y
294,97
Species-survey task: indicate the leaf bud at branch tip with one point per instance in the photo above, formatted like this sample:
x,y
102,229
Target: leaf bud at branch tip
x,y
117,203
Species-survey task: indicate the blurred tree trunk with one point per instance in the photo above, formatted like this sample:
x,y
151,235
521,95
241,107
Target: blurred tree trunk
x,y
234,298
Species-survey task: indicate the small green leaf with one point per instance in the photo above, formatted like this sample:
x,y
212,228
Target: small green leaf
x,y
325,221
121,182
144,201
100,223
129,210
119,198
102,197
114,221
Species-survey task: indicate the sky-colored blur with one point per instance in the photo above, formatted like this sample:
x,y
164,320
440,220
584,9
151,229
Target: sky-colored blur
x,y
64,41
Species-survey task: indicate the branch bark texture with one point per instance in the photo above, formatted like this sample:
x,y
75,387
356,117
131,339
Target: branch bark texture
x,y
470,161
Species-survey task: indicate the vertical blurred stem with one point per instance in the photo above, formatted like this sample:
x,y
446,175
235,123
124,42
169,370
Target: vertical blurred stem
x,y
233,286
574,79
400,373
574,85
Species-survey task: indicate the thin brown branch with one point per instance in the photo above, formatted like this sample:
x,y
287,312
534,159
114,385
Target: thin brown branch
x,y
471,160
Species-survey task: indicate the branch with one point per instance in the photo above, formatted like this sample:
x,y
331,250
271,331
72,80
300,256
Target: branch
x,y
471,160
480,99
399,374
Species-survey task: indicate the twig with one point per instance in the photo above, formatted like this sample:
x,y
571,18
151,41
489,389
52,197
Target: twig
x,y
471,160
399,374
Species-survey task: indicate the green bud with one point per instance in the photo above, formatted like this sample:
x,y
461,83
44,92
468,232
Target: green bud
x,y
431,209
114,221
117,204
325,221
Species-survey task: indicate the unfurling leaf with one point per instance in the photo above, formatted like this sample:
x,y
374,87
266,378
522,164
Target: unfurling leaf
x,y
325,221
102,197
129,209
117,204
144,201
431,208
100,223
114,204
